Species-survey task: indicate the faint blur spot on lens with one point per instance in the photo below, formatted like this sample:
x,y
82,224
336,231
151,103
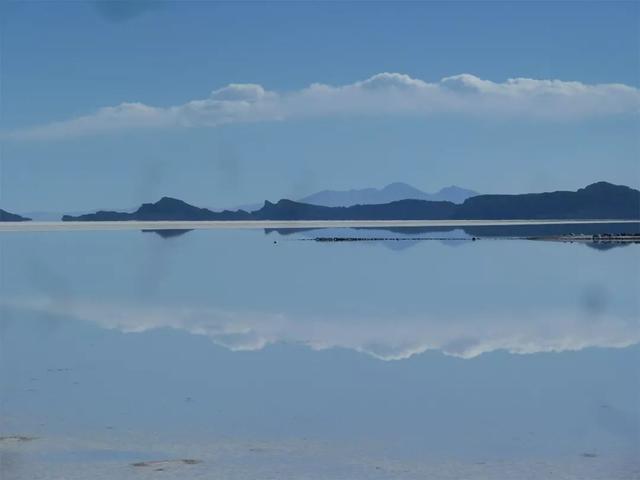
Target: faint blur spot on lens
x,y
594,299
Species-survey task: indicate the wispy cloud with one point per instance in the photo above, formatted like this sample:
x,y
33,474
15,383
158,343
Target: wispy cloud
x,y
388,94
528,332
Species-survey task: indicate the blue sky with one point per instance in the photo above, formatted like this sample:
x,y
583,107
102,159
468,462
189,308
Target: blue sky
x,y
67,60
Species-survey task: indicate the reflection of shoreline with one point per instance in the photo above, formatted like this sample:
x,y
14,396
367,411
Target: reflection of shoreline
x,y
510,231
596,236
605,239
298,224
405,242
380,337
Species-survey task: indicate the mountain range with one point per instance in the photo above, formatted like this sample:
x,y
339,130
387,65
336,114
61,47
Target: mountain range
x,y
373,196
331,198
391,193
600,200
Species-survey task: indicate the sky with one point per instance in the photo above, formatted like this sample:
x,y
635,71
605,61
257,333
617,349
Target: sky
x,y
110,104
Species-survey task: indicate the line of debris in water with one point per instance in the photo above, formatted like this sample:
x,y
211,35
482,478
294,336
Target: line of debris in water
x,y
597,238
383,239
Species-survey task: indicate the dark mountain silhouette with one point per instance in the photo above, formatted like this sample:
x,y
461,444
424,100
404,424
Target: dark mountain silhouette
x,y
400,210
12,217
597,201
164,209
391,193
375,196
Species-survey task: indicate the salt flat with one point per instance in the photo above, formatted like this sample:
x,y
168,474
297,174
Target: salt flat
x,y
261,224
218,354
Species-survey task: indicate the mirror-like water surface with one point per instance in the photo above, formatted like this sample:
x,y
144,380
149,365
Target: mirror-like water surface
x,y
245,354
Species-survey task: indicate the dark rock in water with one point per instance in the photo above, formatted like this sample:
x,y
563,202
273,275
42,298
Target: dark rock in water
x,y
12,217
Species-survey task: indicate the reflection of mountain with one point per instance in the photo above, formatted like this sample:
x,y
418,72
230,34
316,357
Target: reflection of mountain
x,y
356,231
598,201
550,230
391,193
401,239
11,217
398,246
404,336
453,236
168,233
482,231
604,246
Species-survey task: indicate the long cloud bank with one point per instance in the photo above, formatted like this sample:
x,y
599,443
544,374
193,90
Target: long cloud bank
x,y
385,339
384,94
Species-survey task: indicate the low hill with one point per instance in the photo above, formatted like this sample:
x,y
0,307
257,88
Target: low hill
x,y
12,217
166,208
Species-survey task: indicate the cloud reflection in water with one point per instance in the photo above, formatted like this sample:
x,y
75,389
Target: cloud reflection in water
x,y
381,337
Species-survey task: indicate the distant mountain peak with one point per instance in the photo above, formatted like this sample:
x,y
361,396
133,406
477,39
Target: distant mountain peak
x,y
396,185
604,186
402,188
169,201
389,193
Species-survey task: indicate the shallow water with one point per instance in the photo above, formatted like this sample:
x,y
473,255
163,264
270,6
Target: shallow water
x,y
298,359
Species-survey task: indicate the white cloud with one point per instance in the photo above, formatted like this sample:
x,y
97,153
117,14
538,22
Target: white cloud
x,y
401,338
382,94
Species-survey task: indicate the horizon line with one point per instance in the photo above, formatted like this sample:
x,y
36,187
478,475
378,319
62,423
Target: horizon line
x,y
36,226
